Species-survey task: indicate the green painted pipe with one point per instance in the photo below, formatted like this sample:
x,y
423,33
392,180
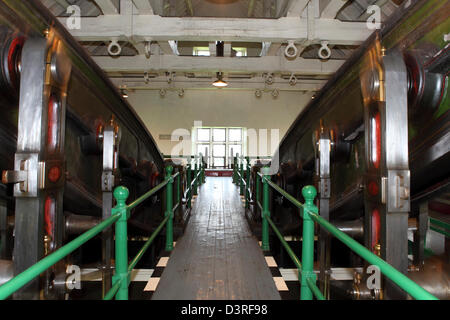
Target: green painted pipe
x,y
112,292
315,290
35,270
393,274
146,195
389,271
169,209
121,195
445,233
265,212
286,246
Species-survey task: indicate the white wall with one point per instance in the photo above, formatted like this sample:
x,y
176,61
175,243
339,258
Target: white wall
x,y
216,107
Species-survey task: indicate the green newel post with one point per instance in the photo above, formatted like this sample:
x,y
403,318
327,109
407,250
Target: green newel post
x,y
247,185
169,209
265,209
121,274
189,192
309,193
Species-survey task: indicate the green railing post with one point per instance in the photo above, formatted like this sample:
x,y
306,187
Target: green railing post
x,y
178,191
247,185
234,169
189,190
203,173
169,209
241,178
195,176
121,194
309,193
265,209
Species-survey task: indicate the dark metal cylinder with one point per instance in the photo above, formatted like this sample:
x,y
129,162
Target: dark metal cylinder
x,y
76,224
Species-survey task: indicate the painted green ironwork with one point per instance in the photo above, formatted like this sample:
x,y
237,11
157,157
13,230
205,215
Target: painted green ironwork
x,y
309,213
35,270
265,213
120,215
440,226
247,183
307,274
169,209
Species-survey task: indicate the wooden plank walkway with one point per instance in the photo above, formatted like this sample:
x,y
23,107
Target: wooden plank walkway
x,y
217,258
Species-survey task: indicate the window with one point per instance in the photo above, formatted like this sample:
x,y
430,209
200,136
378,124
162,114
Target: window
x,y
240,52
201,51
219,145
219,135
235,135
203,135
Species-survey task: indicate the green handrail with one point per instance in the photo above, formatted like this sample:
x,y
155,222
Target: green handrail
x,y
35,270
119,215
443,226
310,214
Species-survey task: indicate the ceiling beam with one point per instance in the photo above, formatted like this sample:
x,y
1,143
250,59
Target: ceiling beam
x,y
162,63
156,28
144,6
212,49
169,47
107,7
296,7
269,49
182,82
332,9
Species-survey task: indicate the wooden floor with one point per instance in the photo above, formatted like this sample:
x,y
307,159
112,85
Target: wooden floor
x,y
217,257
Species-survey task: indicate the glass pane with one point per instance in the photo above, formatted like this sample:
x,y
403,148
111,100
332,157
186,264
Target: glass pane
x,y
237,149
203,149
202,134
218,135
235,135
219,162
219,150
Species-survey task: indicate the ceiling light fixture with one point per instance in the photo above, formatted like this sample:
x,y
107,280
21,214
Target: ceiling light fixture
x,y
219,83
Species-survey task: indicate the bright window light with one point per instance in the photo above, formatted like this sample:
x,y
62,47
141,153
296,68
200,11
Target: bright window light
x,y
201,51
240,52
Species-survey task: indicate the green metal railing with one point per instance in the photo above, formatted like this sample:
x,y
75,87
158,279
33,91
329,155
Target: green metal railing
x,y
241,179
440,226
119,215
309,214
